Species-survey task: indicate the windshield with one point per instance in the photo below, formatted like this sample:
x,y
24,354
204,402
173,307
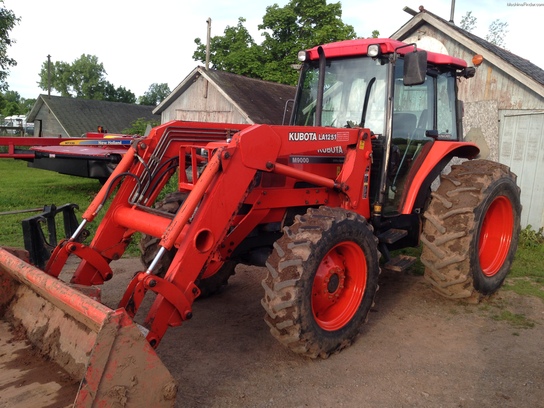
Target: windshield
x,y
347,81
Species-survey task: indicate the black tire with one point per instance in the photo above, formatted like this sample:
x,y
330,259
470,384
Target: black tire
x,y
321,283
150,245
471,230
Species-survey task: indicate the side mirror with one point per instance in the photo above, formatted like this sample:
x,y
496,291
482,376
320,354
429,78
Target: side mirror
x,y
415,68
432,133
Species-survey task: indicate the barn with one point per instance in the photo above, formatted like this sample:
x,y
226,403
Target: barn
x,y
208,95
72,117
503,103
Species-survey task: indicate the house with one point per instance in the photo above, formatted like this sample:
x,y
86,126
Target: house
x,y
72,117
207,95
503,103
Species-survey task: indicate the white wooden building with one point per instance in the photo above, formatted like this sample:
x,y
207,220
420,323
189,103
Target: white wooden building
x,y
208,95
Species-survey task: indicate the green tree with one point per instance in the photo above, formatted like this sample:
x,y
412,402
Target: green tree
x,y
10,108
468,22
139,126
26,105
375,34
300,24
12,96
235,51
11,103
119,94
7,22
155,94
83,78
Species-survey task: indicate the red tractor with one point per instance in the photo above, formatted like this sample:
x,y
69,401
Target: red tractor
x,y
321,203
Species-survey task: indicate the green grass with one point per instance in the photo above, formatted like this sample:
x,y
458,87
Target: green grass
x,y
516,320
527,274
22,188
499,309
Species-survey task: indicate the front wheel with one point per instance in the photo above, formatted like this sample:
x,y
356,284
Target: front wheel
x,y
471,230
323,275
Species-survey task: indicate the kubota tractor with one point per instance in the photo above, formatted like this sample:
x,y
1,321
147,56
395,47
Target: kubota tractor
x,y
321,203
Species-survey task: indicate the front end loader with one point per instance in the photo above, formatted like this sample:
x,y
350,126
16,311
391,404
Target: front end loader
x,y
322,204
60,347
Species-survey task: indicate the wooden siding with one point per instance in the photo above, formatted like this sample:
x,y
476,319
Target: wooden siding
x,y
490,82
522,148
202,101
50,126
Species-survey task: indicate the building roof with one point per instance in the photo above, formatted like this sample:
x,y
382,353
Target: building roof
x,y
520,68
261,101
78,116
520,63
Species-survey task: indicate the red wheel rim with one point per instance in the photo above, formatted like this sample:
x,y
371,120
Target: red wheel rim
x,y
339,285
496,235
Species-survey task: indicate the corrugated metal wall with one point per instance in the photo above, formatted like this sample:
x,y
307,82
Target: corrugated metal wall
x,y
521,147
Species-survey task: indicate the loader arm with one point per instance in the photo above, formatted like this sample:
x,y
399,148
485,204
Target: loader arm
x,y
226,183
207,227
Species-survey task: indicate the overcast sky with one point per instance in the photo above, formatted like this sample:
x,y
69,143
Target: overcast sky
x,y
144,42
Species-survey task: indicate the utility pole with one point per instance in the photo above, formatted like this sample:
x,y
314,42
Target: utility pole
x,y
208,39
452,11
48,75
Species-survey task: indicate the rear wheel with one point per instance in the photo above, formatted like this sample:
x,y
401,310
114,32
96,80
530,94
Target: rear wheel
x,y
471,230
323,275
214,279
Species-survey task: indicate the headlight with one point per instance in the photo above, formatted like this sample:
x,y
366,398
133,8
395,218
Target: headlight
x,y
373,50
302,56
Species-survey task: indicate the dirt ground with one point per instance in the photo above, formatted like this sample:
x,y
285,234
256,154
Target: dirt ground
x,y
417,350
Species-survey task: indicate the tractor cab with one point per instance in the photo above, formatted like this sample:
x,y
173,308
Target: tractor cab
x,y
405,96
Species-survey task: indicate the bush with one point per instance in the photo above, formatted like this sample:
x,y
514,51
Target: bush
x,y
530,238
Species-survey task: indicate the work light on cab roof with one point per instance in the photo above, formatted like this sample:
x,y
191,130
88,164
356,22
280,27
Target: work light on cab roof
x,y
373,50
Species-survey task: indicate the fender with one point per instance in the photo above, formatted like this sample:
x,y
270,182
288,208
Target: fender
x,y
434,156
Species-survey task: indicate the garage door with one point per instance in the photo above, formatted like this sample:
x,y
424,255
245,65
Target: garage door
x,y
521,146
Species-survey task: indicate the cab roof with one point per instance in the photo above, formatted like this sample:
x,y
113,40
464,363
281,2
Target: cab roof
x,y
350,48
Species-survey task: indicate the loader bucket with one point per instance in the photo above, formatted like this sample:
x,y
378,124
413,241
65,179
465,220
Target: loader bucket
x,y
61,348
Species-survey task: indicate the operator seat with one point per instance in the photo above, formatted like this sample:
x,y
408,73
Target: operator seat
x,y
404,125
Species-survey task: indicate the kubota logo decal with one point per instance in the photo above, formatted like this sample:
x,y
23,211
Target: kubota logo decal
x,y
332,150
311,136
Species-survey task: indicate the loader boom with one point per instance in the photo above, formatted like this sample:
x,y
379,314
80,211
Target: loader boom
x,y
208,223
